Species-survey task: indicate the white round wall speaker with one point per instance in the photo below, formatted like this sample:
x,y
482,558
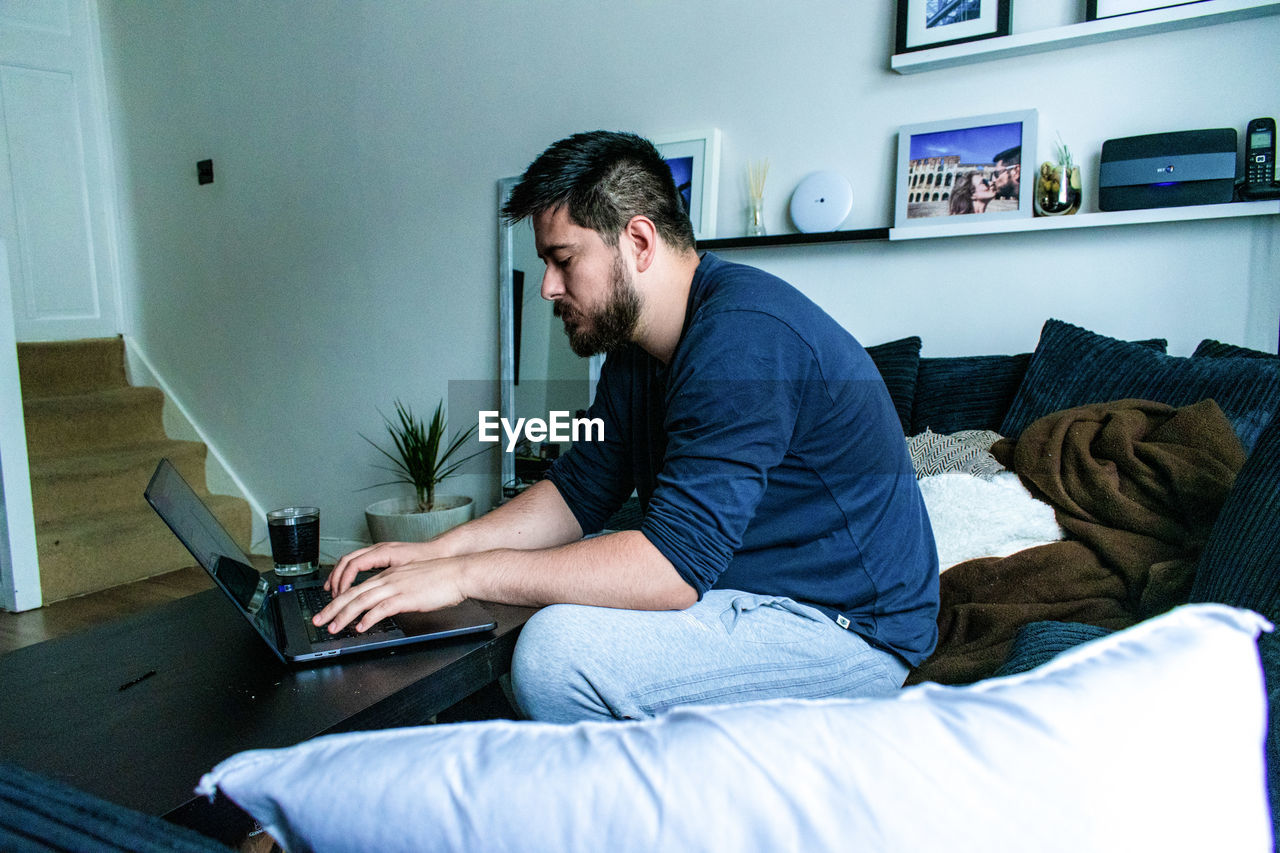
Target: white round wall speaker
x,y
821,202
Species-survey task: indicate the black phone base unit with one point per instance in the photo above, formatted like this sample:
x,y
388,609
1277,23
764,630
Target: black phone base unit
x,y
1168,169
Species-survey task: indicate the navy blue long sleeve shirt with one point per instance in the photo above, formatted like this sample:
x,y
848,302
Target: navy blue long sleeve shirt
x,y
768,458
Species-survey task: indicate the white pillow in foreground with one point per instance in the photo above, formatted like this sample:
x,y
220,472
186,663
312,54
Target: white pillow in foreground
x,y
1148,739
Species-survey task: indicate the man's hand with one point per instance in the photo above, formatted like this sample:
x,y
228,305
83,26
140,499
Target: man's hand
x,y
422,576
383,555
406,586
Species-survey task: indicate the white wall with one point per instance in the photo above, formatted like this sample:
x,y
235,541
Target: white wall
x,y
346,253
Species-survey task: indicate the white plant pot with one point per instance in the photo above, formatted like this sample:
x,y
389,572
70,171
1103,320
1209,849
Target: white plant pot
x,y
394,520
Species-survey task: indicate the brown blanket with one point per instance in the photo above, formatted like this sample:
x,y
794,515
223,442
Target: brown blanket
x,y
1136,485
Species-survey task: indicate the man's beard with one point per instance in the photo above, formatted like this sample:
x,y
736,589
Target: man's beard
x,y
1008,188
612,326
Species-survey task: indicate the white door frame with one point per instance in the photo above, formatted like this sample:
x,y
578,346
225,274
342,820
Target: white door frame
x,y
19,563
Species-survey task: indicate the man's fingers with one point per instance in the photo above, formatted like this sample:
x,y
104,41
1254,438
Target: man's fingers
x,y
342,578
334,580
375,614
403,587
337,614
344,574
376,603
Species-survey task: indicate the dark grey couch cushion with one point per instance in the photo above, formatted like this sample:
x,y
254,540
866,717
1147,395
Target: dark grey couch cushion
x,y
1209,348
898,362
973,391
1240,563
966,392
1240,566
1040,642
1072,367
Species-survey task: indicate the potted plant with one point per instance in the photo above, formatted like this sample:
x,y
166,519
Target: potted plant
x,y
423,458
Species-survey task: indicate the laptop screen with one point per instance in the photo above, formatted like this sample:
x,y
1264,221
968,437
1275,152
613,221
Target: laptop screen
x,y
212,546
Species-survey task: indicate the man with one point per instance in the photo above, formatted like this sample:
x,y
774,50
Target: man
x,y
1008,172
785,548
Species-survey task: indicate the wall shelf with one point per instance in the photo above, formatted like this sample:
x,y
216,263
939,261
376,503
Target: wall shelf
x,y
974,228
1201,14
1088,220
771,240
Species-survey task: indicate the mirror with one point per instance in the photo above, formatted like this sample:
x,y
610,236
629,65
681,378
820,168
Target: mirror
x,y
539,374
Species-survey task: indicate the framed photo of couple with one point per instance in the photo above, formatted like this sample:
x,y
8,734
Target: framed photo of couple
x,y
967,167
933,23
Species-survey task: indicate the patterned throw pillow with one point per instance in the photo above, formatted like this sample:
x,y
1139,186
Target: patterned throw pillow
x,y
966,452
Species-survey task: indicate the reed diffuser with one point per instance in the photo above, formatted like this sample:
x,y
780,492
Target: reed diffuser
x,y
757,172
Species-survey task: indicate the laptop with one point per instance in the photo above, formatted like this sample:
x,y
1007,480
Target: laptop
x,y
281,614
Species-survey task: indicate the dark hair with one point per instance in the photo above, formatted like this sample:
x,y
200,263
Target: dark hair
x,y
1009,156
962,193
603,179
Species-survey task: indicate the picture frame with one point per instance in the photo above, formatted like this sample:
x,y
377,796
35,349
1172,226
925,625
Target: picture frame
x,y
1096,10
923,24
694,159
962,169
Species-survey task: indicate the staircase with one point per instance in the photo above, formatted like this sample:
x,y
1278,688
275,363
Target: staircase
x,y
93,442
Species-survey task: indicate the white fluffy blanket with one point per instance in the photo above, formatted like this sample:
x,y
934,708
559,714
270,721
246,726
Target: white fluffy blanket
x,y
973,517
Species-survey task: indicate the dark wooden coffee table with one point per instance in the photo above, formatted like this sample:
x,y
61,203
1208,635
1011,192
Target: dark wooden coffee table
x,y
136,711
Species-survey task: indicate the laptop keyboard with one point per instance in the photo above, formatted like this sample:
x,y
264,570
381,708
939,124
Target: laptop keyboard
x,y
314,599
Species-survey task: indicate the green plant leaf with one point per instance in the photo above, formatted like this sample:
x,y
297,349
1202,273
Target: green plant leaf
x,y
417,455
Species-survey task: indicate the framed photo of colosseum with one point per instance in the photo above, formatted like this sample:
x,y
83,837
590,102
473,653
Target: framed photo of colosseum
x,y
933,23
966,167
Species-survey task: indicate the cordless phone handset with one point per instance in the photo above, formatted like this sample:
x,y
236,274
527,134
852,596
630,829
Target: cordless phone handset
x,y
1259,156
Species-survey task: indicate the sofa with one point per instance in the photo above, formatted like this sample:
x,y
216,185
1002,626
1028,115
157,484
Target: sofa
x,y
1230,550
1122,442
1105,677
1076,702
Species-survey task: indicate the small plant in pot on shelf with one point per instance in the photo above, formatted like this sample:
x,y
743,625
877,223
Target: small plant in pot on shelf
x,y
1057,189
424,457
